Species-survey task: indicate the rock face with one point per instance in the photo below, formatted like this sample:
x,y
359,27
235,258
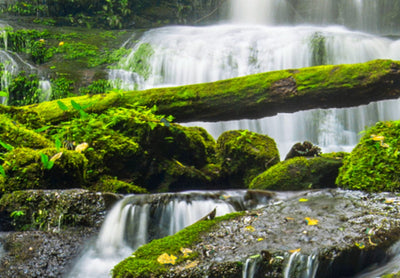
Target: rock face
x,y
338,232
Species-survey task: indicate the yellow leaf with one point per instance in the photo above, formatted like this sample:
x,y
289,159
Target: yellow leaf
x,y
289,218
377,137
60,43
389,201
260,239
191,264
166,259
186,252
81,147
250,228
370,241
302,200
311,222
295,250
360,245
56,156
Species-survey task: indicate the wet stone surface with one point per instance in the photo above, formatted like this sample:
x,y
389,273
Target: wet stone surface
x,y
346,231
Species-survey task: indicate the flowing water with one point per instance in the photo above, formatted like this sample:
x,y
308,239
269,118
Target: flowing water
x,y
135,220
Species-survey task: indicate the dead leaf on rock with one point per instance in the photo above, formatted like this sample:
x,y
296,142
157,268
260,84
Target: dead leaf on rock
x,y
166,259
311,222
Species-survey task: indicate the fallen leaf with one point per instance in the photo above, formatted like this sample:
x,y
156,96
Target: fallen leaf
x,y
311,222
295,251
260,239
370,242
186,252
250,228
377,137
303,200
166,259
191,264
81,147
289,218
389,201
360,245
56,156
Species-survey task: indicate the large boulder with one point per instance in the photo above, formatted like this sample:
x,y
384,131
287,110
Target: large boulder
x,y
374,164
331,233
243,155
299,173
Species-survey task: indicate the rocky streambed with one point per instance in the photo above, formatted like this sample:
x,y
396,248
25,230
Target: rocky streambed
x,y
327,233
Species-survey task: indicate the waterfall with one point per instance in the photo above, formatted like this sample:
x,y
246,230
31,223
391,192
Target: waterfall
x,y
136,220
251,266
301,266
45,90
8,68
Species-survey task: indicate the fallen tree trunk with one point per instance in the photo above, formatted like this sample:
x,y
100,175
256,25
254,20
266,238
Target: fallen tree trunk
x,y
252,96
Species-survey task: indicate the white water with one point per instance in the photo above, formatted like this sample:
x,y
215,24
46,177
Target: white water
x,y
135,220
45,90
301,266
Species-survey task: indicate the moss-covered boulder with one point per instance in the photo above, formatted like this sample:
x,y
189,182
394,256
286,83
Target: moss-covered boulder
x,y
306,149
373,164
51,209
113,185
299,173
243,155
26,168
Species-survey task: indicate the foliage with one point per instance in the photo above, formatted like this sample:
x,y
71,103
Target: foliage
x,y
24,89
62,87
97,87
373,165
47,163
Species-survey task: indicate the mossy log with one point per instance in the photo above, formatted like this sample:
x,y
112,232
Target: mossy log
x,y
252,96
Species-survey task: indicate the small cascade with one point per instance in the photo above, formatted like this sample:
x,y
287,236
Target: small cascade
x,y
301,266
251,266
45,90
8,68
331,129
180,55
136,220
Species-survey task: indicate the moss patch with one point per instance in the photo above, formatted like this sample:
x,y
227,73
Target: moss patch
x,y
109,184
299,173
143,262
373,165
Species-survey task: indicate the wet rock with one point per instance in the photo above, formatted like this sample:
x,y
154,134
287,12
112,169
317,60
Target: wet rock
x,y
331,233
306,149
41,254
51,210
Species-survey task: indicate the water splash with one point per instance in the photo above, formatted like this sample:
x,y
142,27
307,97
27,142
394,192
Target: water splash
x,y
251,266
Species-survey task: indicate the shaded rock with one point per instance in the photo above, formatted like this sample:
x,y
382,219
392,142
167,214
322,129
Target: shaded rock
x,y
306,149
373,165
41,254
51,210
243,155
299,173
350,232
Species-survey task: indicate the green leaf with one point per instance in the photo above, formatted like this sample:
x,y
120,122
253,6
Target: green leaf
x,y
57,144
50,165
42,129
152,125
76,105
3,94
83,114
62,106
2,172
6,146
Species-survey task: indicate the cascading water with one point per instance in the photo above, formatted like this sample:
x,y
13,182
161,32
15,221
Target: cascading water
x,y
301,266
45,90
135,220
259,38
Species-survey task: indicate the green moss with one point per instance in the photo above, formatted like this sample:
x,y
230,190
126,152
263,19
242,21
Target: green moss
x,y
299,173
24,170
392,275
244,154
16,135
143,263
109,184
139,61
374,165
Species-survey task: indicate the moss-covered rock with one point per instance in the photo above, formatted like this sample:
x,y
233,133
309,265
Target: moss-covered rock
x,y
26,168
17,135
306,149
373,165
52,209
299,173
244,155
113,185
143,263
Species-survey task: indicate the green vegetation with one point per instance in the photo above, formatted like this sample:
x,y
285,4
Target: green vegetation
x,y
373,165
143,262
